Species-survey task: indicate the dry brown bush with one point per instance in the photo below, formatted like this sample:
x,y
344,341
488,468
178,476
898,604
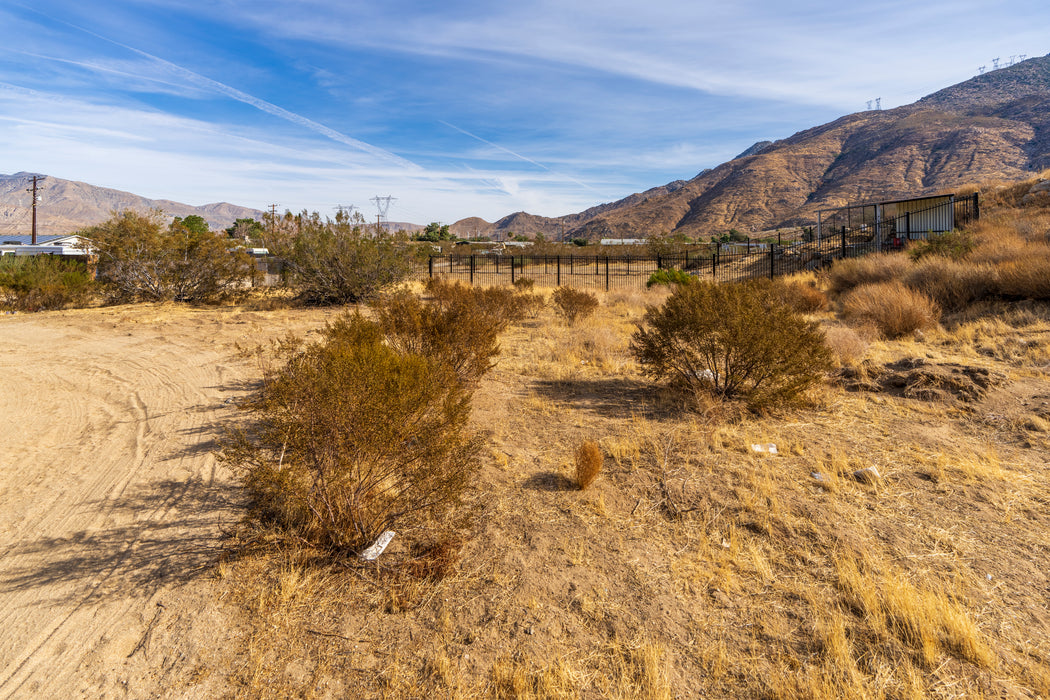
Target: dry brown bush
x,y
588,463
353,437
846,345
803,297
574,304
853,272
893,308
953,285
1028,278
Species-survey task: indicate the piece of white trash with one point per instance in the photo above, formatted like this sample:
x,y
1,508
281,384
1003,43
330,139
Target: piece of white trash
x,y
373,552
768,448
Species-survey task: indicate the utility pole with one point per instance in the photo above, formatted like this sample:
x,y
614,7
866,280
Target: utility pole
x,y
273,218
35,200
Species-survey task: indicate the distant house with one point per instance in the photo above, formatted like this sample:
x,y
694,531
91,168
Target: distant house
x,y
70,245
623,241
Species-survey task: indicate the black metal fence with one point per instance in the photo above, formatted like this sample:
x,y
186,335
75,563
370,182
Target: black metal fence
x,y
719,262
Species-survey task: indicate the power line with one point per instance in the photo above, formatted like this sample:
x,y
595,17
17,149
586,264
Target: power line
x,y
382,207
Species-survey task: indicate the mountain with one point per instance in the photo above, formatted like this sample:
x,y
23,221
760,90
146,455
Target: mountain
x,y
994,126
66,206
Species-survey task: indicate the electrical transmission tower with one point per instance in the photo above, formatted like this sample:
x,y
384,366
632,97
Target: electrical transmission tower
x,y
382,207
878,103
869,105
995,64
980,71
346,210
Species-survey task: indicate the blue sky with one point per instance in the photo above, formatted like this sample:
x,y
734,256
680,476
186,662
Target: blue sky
x,y
458,108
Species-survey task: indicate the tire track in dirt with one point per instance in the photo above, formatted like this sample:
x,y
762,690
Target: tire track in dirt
x,y
113,488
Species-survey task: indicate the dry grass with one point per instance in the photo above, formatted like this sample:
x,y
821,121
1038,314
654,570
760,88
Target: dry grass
x,y
696,567
854,272
893,308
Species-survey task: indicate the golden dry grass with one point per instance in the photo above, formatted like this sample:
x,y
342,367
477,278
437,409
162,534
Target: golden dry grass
x,y
696,566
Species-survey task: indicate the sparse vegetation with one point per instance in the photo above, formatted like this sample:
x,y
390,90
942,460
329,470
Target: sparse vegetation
x,y
732,340
574,304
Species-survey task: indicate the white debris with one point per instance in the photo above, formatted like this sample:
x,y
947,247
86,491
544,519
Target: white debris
x,y
373,552
818,476
767,448
868,475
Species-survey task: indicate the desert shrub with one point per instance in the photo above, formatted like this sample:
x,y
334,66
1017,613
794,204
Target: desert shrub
x,y
588,463
139,258
952,285
1028,278
732,340
668,276
524,284
853,272
353,437
574,304
800,296
893,308
338,262
954,245
42,282
460,327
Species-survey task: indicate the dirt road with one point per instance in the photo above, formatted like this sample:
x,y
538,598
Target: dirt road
x,y
112,503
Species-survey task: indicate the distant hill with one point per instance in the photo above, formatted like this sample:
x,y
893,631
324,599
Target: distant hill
x,y
994,126
66,206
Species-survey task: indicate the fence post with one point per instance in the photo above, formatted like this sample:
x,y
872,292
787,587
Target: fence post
x,y
659,262
976,208
430,267
559,271
472,269
907,225
512,269
606,272
749,245
714,261
843,242
771,259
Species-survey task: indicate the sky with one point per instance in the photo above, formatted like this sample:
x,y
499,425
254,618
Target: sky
x,y
458,108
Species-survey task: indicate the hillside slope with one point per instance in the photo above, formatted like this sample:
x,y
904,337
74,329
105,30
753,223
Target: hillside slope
x,y
67,205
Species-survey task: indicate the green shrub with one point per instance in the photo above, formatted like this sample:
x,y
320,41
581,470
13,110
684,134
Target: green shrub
x,y
141,258
732,340
42,282
574,304
353,437
853,272
954,245
893,308
341,261
668,276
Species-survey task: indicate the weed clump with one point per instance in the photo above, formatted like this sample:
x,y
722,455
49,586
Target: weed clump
x,y
893,308
954,245
732,340
574,304
803,297
588,463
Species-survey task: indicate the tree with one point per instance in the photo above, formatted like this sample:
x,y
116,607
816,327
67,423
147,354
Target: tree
x,y
140,258
245,229
435,232
193,223
338,262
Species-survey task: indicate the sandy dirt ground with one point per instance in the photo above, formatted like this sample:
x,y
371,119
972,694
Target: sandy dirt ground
x,y
111,497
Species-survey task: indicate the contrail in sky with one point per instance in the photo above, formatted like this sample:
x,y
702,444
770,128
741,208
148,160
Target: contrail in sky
x,y
518,155
259,104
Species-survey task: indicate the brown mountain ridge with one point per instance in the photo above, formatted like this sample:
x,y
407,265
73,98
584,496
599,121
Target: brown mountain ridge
x,y
994,126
